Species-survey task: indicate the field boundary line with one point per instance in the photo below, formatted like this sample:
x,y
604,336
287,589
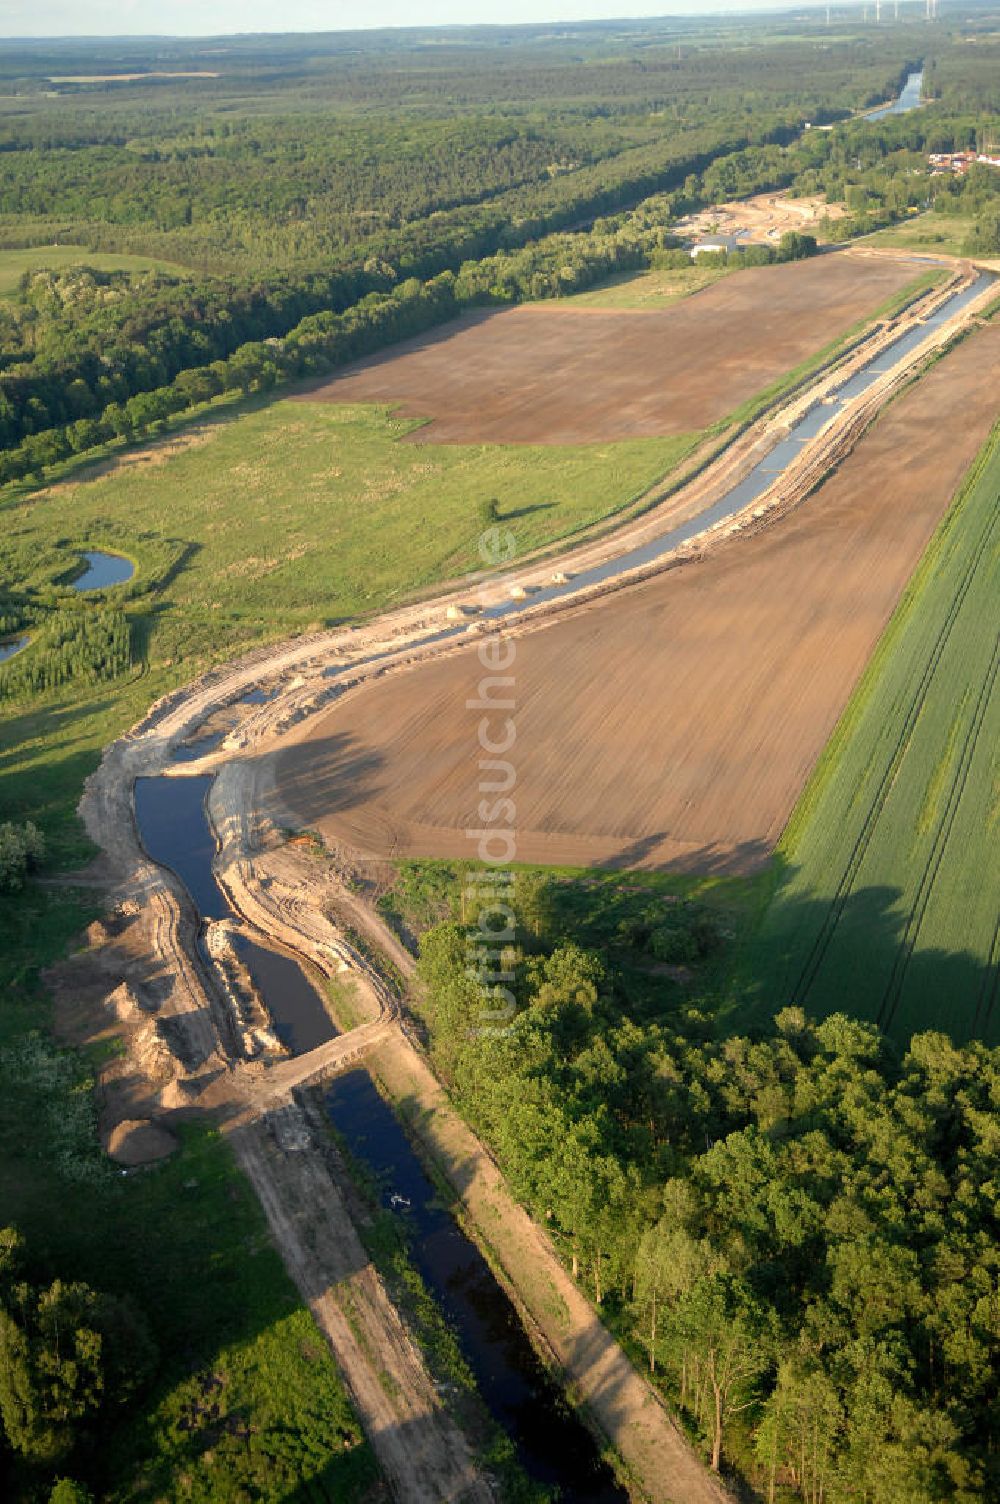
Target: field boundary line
x,y
810,969
935,856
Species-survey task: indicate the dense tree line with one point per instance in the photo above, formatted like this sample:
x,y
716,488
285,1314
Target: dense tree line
x,y
554,266
71,1358
80,641
798,1231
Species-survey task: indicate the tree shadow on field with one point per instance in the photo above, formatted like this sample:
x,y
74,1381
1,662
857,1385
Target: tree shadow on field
x,y
330,773
652,853
539,506
860,953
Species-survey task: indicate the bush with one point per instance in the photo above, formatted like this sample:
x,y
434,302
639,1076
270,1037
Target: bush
x,y
21,849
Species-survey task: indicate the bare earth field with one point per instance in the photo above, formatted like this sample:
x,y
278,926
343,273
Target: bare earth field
x,y
674,723
550,374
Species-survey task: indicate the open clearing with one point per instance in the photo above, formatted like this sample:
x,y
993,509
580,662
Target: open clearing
x,y
298,514
551,374
929,233
649,289
764,218
889,907
13,264
675,724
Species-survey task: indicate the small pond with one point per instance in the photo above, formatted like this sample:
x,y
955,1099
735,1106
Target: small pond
x,y
103,570
11,646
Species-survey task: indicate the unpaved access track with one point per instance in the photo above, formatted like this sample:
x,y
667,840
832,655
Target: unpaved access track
x,y
292,898
550,374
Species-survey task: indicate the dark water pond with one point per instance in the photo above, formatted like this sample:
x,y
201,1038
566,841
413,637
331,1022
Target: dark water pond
x,y
103,570
11,646
553,1446
173,825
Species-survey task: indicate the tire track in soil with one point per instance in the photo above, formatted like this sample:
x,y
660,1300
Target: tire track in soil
x,y
814,961
935,856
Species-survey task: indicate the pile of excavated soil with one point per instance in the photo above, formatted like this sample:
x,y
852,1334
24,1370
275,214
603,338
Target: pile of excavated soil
x,y
139,1141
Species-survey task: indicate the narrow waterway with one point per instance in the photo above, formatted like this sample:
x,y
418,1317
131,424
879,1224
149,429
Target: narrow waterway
x,y
553,1446
909,98
175,831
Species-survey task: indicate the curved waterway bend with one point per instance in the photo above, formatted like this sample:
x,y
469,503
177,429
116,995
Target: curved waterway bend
x,y
553,1446
174,829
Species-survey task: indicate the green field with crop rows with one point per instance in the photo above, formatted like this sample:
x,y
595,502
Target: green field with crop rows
x,y
887,906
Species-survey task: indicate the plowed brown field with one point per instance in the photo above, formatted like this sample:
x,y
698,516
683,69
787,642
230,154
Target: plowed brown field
x,y
551,374
675,723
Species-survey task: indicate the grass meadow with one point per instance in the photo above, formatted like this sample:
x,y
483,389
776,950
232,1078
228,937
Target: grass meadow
x,y
14,263
294,514
649,290
928,232
886,907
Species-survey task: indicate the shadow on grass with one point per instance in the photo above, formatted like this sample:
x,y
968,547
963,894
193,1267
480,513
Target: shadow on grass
x,y
860,952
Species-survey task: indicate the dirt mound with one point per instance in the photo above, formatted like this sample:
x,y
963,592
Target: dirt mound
x,y
139,1141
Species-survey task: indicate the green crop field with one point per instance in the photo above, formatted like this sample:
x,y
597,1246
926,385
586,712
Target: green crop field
x,y
13,264
887,904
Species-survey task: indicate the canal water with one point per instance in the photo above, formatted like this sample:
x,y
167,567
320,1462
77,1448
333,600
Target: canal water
x,y
909,98
174,828
103,570
554,1447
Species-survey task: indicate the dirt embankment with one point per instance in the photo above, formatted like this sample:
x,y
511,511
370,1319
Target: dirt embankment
x,y
675,725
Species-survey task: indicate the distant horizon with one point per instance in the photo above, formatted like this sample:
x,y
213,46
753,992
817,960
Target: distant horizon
x,y
108,20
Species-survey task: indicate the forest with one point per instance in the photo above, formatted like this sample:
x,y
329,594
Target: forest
x,y
796,1231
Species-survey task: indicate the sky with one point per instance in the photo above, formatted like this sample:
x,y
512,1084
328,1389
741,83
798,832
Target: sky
x,y
49,18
